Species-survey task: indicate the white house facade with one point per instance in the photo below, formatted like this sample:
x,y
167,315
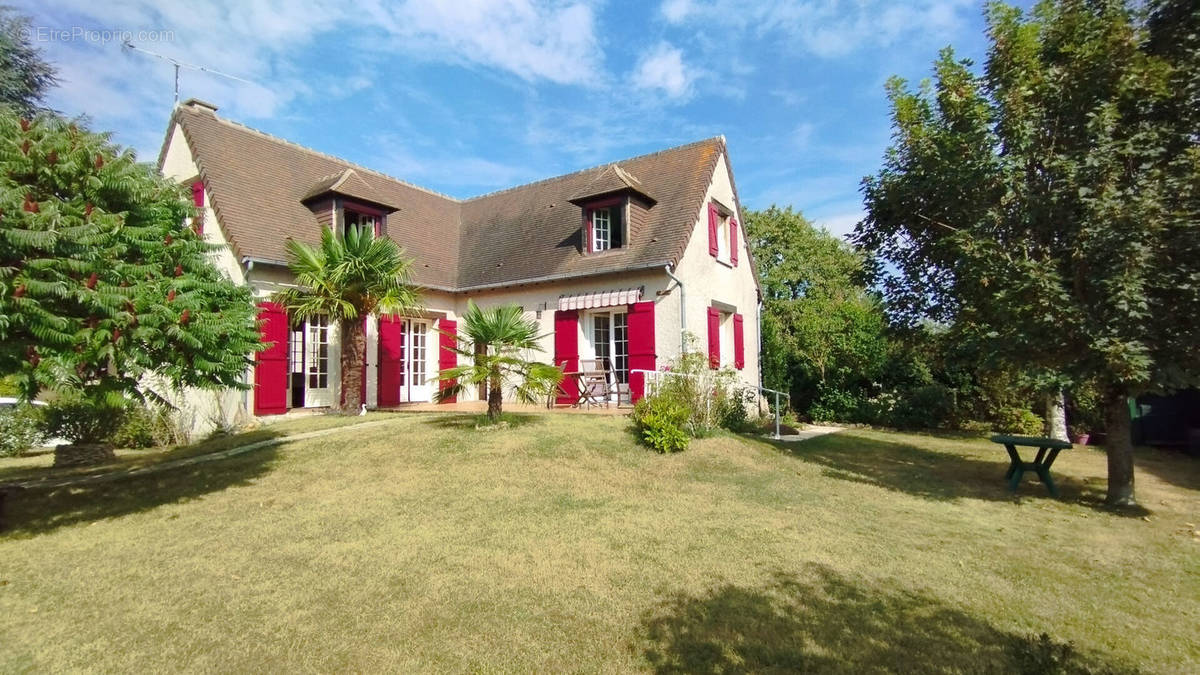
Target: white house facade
x,y
614,262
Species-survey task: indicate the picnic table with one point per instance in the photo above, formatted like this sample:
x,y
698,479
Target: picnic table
x,y
1047,452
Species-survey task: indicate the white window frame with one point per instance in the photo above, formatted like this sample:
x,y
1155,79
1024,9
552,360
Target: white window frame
x,y
602,244
611,313
360,220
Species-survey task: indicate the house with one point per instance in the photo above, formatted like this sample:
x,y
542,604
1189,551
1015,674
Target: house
x,y
616,261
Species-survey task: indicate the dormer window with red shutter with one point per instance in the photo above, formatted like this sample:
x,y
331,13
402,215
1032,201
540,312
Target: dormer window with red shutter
x,y
360,220
604,224
344,200
606,201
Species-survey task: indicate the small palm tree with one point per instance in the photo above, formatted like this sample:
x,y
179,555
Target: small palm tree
x,y
345,279
494,342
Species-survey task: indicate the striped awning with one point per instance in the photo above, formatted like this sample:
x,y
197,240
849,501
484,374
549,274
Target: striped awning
x,y
595,299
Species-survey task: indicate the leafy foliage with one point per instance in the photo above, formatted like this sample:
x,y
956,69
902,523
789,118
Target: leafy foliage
x,y
147,427
824,334
659,420
20,429
493,345
101,280
347,278
24,74
1046,208
80,420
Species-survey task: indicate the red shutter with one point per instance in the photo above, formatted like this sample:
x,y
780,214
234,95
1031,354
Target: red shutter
x,y
271,364
587,231
198,200
739,343
566,350
733,241
447,357
641,346
713,220
714,338
391,360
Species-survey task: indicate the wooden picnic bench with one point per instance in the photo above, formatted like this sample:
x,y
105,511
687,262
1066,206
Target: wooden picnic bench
x,y
1048,449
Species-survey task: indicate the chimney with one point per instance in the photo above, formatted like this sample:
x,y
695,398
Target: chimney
x,y
197,104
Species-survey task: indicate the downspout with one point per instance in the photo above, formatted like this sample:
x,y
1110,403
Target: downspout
x,y
249,375
682,311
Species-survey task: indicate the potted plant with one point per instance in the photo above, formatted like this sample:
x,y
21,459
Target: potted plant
x,y
88,425
1079,435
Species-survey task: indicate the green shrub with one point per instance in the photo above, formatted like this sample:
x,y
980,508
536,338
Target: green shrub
x,y
929,406
20,429
146,427
835,405
659,422
732,413
1017,421
82,421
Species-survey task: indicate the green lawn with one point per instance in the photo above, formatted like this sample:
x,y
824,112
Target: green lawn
x,y
557,544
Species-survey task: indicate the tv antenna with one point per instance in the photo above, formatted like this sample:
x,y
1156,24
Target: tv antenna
x,y
180,64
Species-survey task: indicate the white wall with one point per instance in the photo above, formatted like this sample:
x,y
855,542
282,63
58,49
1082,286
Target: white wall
x,y
706,279
202,411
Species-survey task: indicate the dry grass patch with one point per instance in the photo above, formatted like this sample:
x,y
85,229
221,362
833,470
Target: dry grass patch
x,y
558,544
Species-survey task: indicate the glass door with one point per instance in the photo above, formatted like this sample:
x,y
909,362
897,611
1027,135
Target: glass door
x,y
319,389
416,389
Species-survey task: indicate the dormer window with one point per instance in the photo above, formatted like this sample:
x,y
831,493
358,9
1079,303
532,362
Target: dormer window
x,y
606,226
361,222
607,199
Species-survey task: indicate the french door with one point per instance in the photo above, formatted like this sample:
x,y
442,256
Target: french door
x,y
309,364
403,361
415,362
610,340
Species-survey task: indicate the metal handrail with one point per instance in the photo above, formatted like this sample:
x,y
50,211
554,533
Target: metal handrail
x,y
658,373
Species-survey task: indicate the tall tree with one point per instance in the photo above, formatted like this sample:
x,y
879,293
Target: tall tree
x,y
495,343
24,75
1048,207
821,328
102,282
347,279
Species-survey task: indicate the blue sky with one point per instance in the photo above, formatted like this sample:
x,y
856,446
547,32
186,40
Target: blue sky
x,y
470,96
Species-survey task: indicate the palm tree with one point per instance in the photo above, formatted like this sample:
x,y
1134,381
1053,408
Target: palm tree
x,y
503,336
346,279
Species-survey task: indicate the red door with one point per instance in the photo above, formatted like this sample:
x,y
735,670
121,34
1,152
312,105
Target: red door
x,y
391,360
271,364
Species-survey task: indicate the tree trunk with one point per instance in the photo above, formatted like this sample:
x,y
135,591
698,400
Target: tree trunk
x,y
1119,445
354,351
1056,416
494,399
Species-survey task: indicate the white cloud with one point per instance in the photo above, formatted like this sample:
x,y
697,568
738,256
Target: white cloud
x,y
676,10
533,40
840,224
828,28
802,135
266,41
662,68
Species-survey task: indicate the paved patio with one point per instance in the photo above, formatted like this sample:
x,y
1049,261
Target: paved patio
x,y
481,407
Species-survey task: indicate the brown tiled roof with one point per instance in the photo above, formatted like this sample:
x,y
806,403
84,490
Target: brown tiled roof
x,y
347,183
522,234
611,179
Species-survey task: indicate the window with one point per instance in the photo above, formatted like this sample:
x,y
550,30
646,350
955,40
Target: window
x,y
318,353
605,226
361,221
610,340
722,234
